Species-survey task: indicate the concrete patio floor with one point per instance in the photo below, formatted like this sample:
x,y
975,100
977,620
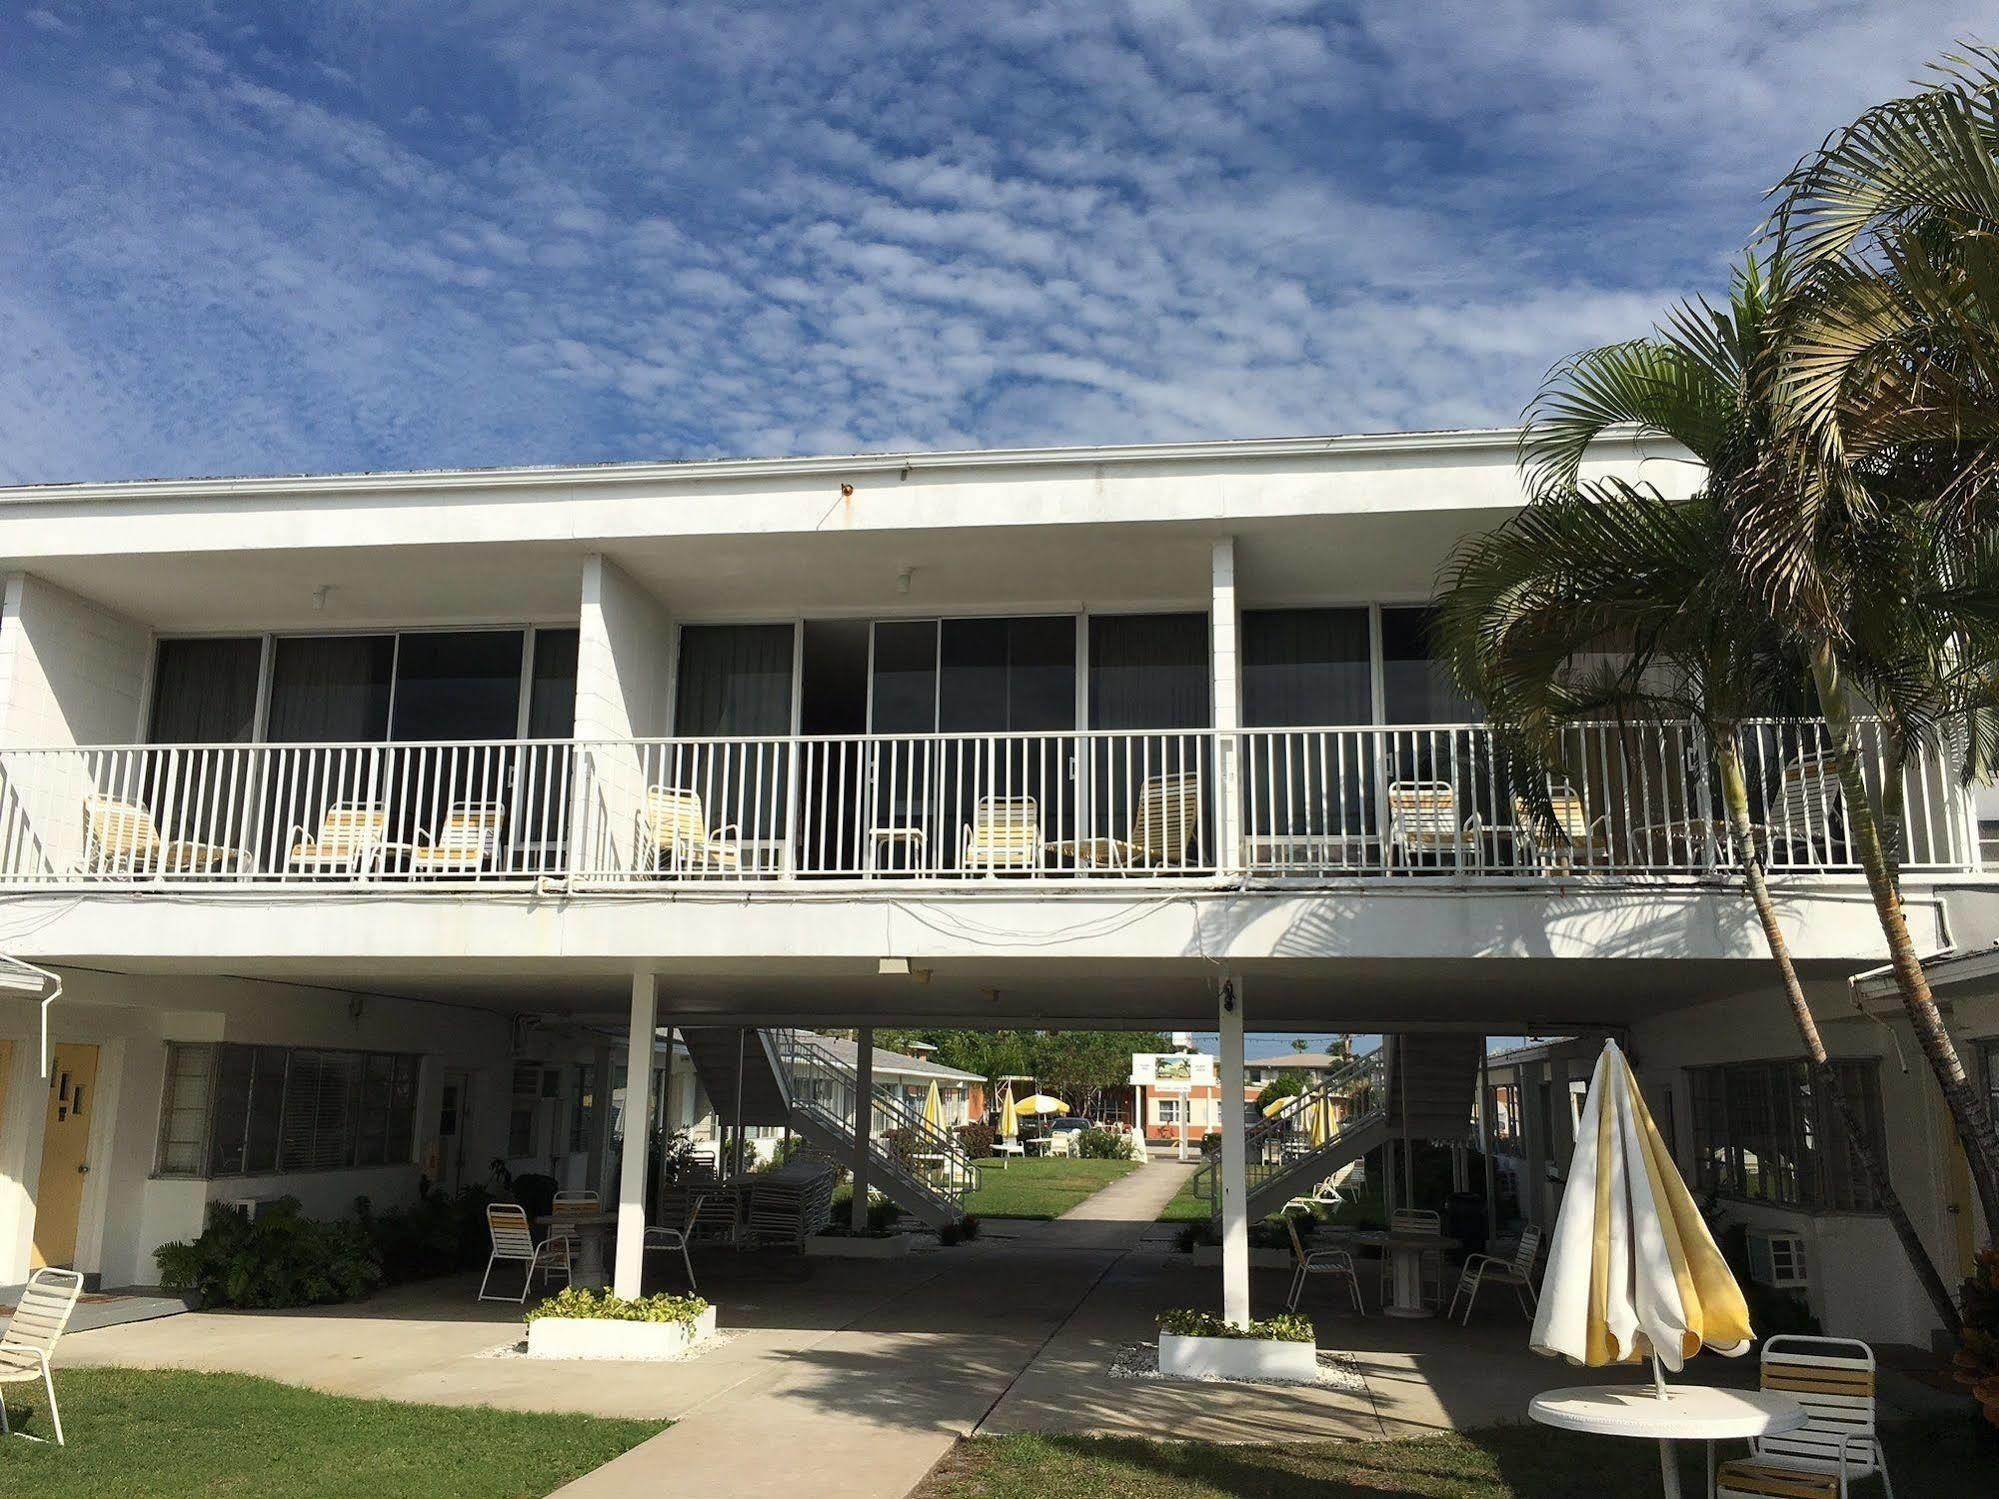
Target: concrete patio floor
x,y
851,1378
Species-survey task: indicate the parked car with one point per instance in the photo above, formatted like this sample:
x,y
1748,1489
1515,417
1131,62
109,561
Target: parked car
x,y
1070,1124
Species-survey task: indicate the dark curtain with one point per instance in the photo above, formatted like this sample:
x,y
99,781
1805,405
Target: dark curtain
x,y
1149,671
205,691
1416,687
1007,675
457,684
735,680
331,689
552,693
1305,667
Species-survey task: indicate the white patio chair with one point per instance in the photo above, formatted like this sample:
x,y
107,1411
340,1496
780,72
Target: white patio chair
x,y
121,837
467,841
1578,837
675,838
1416,1221
1310,1262
349,841
1833,1378
663,1237
567,1204
1326,1192
1004,833
31,1336
1423,822
513,1240
1517,1272
1805,810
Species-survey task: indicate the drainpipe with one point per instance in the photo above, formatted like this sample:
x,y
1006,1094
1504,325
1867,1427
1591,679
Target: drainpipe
x,y
22,977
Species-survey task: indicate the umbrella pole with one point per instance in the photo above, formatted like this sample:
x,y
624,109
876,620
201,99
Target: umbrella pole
x,y
1658,1378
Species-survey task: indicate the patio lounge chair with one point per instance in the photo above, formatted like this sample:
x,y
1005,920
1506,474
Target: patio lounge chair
x,y
1164,825
1310,1262
674,835
513,1240
31,1336
121,837
1325,1193
1004,833
1805,812
1517,1272
349,841
1578,837
1423,824
664,1237
1833,1378
467,841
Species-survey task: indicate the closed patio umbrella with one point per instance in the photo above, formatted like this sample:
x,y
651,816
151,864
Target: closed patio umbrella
x,y
1009,1116
1632,1271
933,1107
1322,1121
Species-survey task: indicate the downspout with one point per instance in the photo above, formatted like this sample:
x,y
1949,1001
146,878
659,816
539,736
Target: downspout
x,y
25,978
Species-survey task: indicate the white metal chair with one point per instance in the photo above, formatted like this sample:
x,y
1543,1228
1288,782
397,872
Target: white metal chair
x,y
349,841
568,1204
1833,1378
1165,825
1517,1272
1416,1221
1578,837
1310,1262
513,1240
467,841
31,1337
1004,833
675,837
1424,827
1326,1192
664,1237
1806,809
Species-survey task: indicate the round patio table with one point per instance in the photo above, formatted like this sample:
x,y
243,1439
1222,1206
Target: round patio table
x,y
1405,1251
1689,1413
588,1230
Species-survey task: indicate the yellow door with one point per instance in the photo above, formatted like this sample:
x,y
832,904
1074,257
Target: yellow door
x,y
65,1153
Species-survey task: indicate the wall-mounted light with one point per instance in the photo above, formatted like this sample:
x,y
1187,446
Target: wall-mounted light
x,y
898,967
902,579
319,596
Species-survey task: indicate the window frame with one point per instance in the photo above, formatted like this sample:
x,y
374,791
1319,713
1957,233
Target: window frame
x,y
1821,1177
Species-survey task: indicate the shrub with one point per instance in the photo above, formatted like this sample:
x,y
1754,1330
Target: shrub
x,y
963,1231
1287,1327
280,1259
581,1301
903,1143
883,1215
1976,1365
977,1139
436,1235
1104,1145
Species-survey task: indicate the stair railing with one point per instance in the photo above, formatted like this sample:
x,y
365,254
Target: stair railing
x,y
1274,1145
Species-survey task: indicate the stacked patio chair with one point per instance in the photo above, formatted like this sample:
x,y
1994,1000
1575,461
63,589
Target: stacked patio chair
x,y
1416,1221
31,1336
513,1240
1517,1272
1833,1378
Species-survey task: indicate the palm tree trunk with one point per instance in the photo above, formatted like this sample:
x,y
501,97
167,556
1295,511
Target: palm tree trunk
x,y
1825,1077
1967,1108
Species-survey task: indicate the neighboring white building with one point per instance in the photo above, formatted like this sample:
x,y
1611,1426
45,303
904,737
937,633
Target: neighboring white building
x,y
361,814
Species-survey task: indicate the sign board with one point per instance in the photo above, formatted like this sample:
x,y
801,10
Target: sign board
x,y
1172,1069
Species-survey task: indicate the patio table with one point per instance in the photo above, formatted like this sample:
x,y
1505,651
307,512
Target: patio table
x,y
1689,1413
1405,1251
587,1269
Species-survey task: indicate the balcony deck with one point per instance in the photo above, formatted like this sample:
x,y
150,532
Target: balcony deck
x,y
1048,811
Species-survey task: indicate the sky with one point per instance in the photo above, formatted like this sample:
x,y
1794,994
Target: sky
x,y
319,236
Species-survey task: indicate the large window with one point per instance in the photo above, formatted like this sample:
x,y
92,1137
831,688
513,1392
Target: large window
x,y
1762,1134
234,1110
1306,667
1504,1122
1149,671
1415,686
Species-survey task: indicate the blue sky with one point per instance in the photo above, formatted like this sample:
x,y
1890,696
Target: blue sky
x,y
267,239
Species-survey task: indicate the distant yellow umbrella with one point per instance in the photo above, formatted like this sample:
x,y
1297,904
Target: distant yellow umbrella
x,y
1041,1103
1277,1106
1322,1121
1632,1268
1009,1116
933,1107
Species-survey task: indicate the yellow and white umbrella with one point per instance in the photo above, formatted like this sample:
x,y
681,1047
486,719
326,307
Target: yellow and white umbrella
x,y
1323,1125
1632,1270
1277,1106
1009,1116
1040,1103
933,1107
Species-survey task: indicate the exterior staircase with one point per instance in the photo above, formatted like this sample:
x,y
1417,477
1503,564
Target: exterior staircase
x,y
713,1050
1430,1079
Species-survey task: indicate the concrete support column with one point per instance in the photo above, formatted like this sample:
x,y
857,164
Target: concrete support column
x,y
600,1118
629,1274
1225,665
864,1117
1235,1173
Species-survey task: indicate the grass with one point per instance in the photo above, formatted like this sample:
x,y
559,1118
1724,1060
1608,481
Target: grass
x,y
1932,1458
1362,1205
157,1434
1040,1187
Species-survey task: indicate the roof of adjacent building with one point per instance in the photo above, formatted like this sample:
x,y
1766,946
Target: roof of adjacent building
x,y
895,1062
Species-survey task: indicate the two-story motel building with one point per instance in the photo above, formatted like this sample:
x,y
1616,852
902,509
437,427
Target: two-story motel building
x,y
357,814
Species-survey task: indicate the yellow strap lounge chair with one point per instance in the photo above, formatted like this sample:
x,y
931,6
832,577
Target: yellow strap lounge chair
x,y
1833,1378
1424,826
675,837
349,841
1164,827
1004,833
121,837
467,841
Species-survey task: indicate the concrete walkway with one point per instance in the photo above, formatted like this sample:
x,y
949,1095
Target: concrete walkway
x,y
865,1411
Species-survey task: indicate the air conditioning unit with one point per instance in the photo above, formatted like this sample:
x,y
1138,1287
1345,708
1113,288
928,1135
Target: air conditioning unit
x,y
1777,1260
250,1207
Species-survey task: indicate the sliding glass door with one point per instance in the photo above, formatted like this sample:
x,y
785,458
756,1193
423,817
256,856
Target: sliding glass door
x,y
728,764
1151,782
1311,798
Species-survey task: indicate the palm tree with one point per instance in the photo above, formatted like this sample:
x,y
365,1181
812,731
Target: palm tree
x,y
1614,572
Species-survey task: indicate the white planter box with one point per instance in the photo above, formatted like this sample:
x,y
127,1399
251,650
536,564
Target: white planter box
x,y
1259,1259
601,1338
856,1247
1237,1358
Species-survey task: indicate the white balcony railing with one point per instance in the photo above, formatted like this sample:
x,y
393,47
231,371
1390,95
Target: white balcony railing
x,y
1173,806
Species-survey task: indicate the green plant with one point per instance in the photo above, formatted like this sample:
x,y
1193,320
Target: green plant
x,y
1104,1145
1976,1365
281,1258
977,1139
1193,1233
904,1142
1287,1327
436,1235
602,1306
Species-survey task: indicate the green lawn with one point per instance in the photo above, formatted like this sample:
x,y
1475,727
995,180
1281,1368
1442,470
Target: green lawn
x,y
1040,1187
1932,1458
146,1434
1363,1204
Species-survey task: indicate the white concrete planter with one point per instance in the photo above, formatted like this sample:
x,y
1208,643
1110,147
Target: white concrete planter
x,y
1259,1259
602,1338
857,1247
1237,1358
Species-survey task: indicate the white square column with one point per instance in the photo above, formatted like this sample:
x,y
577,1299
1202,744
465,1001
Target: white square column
x,y
628,1278
1235,1166
1225,668
864,1119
